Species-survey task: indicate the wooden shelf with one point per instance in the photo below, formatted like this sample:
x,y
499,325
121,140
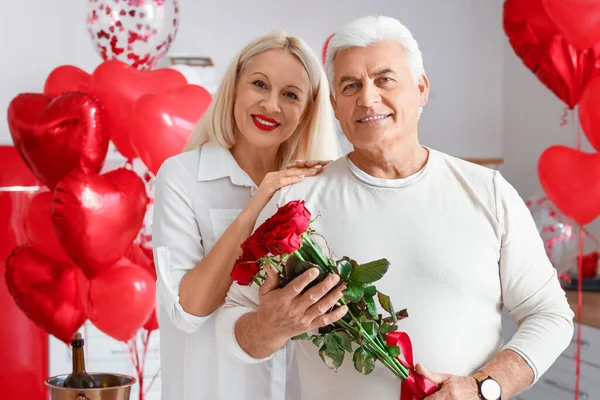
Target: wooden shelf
x,y
485,161
590,309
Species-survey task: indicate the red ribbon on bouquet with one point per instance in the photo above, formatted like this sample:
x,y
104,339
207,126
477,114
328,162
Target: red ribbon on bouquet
x,y
415,387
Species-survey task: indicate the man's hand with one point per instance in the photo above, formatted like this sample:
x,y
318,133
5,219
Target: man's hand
x,y
452,387
287,312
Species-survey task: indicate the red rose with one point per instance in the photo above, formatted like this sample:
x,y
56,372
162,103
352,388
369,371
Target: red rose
x,y
295,213
283,239
254,247
243,271
281,232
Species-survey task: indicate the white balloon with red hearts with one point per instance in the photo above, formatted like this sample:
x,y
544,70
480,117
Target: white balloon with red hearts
x,y
137,32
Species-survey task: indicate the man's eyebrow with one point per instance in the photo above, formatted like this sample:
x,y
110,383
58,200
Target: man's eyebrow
x,y
384,71
351,78
348,78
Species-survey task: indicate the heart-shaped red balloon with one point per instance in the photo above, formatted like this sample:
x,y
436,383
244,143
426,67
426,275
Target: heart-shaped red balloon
x,y
57,136
121,300
67,78
571,179
118,86
589,112
536,40
161,123
39,229
143,257
13,204
46,291
578,20
97,217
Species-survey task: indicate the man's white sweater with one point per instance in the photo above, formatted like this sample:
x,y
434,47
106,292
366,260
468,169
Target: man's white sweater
x,y
462,245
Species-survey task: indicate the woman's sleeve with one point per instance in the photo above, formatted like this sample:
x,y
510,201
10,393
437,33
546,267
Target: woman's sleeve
x,y
176,242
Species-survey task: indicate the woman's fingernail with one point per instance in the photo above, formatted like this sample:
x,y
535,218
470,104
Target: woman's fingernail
x,y
319,166
301,176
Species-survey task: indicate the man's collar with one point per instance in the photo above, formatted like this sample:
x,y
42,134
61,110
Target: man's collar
x,y
217,162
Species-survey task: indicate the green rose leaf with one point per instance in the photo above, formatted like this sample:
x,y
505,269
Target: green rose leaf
x,y
354,292
371,307
386,328
364,361
370,290
344,269
397,316
344,340
303,336
351,261
332,357
393,351
371,328
370,272
384,301
386,304
317,340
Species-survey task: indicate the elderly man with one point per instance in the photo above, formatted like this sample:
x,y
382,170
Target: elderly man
x,y
461,243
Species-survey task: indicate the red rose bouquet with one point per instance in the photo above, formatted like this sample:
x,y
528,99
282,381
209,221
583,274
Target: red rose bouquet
x,y
287,242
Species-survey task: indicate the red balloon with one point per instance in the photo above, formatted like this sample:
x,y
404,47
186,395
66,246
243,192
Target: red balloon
x,y
16,180
118,86
536,40
23,345
160,124
39,229
578,20
571,179
47,291
13,170
140,256
56,136
97,217
121,300
67,78
589,112
325,47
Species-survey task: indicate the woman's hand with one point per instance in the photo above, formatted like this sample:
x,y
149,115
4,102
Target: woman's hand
x,y
308,164
294,173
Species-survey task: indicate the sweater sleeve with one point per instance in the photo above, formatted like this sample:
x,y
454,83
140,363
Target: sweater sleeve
x,y
531,291
240,301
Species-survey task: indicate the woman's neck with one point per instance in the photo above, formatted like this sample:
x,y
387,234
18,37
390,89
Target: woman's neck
x,y
256,161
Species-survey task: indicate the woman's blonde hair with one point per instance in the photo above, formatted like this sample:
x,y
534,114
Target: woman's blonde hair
x,y
313,139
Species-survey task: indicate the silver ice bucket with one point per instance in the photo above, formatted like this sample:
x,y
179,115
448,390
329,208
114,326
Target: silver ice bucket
x,y
114,387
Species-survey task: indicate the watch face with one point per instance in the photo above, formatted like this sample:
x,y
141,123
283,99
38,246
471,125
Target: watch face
x,y
490,389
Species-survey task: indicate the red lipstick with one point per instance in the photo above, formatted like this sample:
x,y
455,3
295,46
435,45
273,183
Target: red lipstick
x,y
259,120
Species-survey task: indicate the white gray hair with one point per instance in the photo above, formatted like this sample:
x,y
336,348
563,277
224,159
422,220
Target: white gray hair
x,y
366,31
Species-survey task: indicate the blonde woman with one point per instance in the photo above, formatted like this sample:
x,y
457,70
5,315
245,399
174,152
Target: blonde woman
x,y
271,109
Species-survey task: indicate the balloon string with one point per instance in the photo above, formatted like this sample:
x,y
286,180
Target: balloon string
x,y
579,306
574,114
579,282
563,117
592,237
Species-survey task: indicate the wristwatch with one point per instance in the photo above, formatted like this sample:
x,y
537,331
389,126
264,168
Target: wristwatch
x,y
488,387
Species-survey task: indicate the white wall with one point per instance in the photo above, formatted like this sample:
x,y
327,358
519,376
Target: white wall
x,y
461,41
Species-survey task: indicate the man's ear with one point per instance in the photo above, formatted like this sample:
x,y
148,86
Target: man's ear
x,y
333,105
423,90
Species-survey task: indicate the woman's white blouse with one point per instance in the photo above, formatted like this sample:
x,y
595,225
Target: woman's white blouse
x,y
198,194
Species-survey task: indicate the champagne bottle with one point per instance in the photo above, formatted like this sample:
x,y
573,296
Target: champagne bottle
x,y
79,379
